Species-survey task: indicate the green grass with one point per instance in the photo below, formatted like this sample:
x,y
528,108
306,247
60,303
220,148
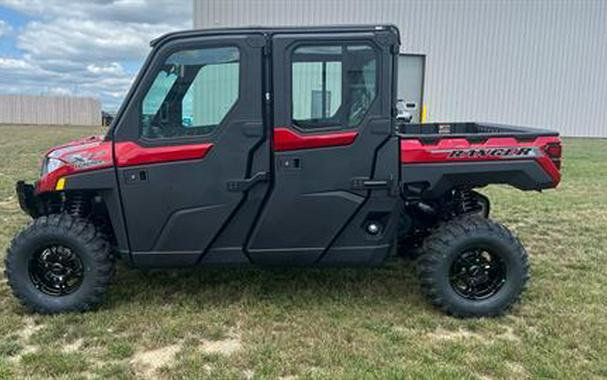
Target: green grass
x,y
332,323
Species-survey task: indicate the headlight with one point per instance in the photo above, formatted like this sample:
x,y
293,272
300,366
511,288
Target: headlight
x,y
50,165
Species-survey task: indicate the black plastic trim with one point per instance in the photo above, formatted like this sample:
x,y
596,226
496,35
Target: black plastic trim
x,y
26,197
274,30
436,179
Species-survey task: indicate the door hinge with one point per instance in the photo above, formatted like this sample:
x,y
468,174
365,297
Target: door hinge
x,y
267,48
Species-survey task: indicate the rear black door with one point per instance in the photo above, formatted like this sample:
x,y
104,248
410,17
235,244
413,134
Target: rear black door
x,y
335,157
191,145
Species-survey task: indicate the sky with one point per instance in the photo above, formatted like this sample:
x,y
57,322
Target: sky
x,y
81,47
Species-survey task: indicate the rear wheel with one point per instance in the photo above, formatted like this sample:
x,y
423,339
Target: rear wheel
x,y
59,263
472,267
483,204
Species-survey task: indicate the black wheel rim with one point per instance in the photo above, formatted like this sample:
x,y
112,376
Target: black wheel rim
x,y
56,270
477,274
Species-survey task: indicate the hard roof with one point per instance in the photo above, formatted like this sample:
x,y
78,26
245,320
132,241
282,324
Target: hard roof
x,y
274,30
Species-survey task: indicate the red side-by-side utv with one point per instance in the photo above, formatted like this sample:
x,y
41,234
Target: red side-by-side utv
x,y
277,146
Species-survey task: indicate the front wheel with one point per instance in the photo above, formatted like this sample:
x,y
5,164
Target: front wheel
x,y
473,267
59,263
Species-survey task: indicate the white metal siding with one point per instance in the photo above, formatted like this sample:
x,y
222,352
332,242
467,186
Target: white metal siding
x,y
540,63
62,110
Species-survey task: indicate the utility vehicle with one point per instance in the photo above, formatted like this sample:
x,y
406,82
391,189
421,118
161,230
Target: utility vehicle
x,y
277,146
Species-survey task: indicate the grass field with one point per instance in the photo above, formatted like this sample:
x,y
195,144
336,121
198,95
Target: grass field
x,y
337,323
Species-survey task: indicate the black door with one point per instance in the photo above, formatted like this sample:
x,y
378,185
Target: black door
x,y
335,157
190,148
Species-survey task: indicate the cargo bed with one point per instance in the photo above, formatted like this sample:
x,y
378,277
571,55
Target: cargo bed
x,y
469,130
436,157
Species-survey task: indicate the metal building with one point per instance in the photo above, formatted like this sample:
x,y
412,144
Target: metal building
x,y
539,63
49,110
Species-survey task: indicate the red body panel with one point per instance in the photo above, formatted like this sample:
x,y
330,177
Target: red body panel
x,y
286,139
446,150
93,153
49,181
130,153
78,156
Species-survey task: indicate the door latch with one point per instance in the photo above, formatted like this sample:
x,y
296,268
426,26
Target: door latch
x,y
135,176
246,184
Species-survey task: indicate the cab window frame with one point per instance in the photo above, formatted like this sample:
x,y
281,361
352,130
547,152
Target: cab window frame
x,y
341,123
159,61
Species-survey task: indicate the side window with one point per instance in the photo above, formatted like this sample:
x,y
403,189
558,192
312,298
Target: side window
x,y
362,82
332,85
191,94
316,84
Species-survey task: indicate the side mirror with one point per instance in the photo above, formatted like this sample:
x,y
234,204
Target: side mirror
x,y
401,112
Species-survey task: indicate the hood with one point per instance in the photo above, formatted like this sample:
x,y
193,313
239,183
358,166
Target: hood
x,y
74,145
88,152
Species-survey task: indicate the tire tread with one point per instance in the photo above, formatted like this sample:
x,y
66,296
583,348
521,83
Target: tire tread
x,y
91,237
435,249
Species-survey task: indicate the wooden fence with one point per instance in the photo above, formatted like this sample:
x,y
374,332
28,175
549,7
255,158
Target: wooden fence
x,y
61,110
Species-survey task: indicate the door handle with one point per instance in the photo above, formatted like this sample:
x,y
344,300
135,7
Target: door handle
x,y
362,183
246,184
375,184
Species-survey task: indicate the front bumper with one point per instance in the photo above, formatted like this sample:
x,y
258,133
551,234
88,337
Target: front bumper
x,y
27,200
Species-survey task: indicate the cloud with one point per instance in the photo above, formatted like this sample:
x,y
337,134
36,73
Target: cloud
x,y
13,64
113,68
84,40
87,48
172,12
109,82
5,28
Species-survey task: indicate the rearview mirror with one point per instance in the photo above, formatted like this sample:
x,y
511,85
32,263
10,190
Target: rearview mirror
x,y
401,112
